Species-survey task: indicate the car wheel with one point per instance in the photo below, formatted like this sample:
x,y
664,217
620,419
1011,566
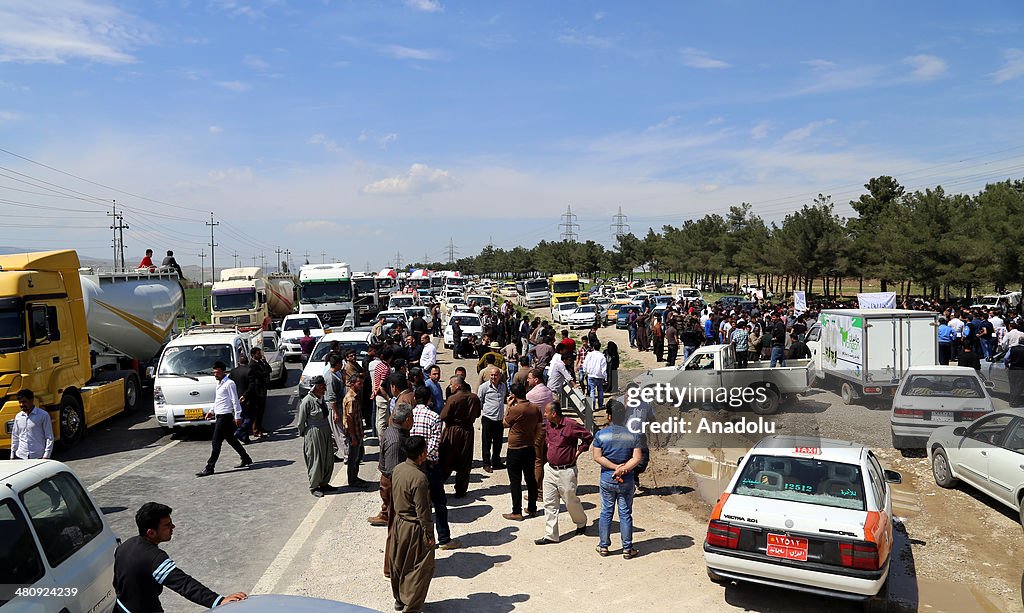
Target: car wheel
x,y
898,442
879,603
847,393
132,390
769,405
940,469
72,421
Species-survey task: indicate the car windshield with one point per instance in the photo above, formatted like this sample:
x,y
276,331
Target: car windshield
x,y
568,306
298,323
806,480
587,308
466,320
195,359
234,300
314,292
269,344
324,347
401,301
12,330
943,386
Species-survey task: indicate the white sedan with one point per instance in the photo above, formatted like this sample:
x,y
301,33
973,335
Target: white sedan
x,y
291,331
586,316
930,397
469,322
560,310
806,514
987,455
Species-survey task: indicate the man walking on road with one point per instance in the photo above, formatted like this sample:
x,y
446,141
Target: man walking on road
x,y
32,432
315,430
493,394
412,542
523,419
566,441
227,413
460,411
142,569
427,423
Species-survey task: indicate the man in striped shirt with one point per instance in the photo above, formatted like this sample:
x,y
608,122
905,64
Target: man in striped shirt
x,y
379,395
427,423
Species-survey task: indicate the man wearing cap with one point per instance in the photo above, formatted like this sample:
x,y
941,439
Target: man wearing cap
x,y
315,430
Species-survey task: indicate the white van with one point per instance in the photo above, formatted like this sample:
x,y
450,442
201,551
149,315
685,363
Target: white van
x,y
184,386
57,550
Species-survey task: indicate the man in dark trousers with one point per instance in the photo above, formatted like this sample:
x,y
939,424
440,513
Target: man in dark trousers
x,y
227,415
170,262
142,569
1014,361
456,338
240,376
256,395
460,412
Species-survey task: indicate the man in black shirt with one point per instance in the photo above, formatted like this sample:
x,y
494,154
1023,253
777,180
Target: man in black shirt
x,y
797,348
778,331
170,262
142,569
969,358
1014,361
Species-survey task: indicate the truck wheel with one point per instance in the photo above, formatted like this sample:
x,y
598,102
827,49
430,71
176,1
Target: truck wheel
x,y
132,391
847,393
72,421
940,470
769,405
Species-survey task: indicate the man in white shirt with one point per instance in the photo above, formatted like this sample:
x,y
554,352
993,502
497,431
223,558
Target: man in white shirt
x,y
558,374
227,415
493,393
596,367
1012,337
32,434
429,356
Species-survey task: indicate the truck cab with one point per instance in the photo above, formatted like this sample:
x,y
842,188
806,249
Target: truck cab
x,y
240,297
326,290
566,288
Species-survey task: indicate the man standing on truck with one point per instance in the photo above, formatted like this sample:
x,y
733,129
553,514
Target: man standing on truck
x,y
227,415
142,569
32,432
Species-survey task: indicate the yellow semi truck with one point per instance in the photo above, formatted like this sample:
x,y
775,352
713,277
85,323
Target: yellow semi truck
x,y
78,338
566,288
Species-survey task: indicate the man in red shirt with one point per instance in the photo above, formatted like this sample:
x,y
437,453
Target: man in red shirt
x,y
566,441
147,262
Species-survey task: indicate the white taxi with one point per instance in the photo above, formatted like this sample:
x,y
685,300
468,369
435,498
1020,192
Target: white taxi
x,y
807,514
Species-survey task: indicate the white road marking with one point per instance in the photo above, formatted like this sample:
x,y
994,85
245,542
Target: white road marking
x,y
286,556
135,464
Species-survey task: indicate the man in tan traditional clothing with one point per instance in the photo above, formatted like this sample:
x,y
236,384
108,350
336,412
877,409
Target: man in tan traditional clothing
x,y
412,538
460,411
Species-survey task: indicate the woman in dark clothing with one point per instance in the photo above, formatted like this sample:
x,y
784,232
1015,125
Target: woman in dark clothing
x,y
611,353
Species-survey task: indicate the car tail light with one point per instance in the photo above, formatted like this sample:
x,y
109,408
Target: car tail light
x,y
721,534
863,556
972,415
158,395
911,413
872,390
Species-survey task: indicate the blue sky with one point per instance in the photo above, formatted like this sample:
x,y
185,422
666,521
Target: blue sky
x,y
362,129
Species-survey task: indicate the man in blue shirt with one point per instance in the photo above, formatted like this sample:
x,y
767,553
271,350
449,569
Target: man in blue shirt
x,y
617,450
433,384
945,341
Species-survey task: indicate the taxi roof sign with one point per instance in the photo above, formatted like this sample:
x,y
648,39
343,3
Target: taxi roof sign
x,y
807,450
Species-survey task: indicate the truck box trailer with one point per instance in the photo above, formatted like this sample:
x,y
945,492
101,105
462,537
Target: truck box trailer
x,y
866,351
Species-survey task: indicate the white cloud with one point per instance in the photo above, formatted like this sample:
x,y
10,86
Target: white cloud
x,y
714,121
319,225
574,37
57,31
598,16
1012,68
827,80
235,86
427,6
419,179
819,64
803,133
707,188
925,67
9,116
695,58
237,9
256,63
216,129
242,175
387,139
759,131
321,139
668,122
409,53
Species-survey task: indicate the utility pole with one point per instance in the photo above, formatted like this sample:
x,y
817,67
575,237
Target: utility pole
x,y
278,252
619,224
202,279
323,257
570,234
306,255
254,258
288,259
213,245
368,271
263,260
119,227
235,255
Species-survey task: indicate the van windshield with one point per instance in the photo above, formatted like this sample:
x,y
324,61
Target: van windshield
x,y
807,480
195,359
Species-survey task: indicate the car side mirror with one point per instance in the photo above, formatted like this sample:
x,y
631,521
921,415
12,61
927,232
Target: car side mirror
x,y
891,476
990,384
739,460
150,372
277,329
959,431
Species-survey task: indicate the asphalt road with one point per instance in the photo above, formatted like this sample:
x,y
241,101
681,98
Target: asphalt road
x,y
230,526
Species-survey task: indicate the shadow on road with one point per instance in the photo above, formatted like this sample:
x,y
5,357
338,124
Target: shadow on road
x,y
664,543
480,602
467,565
489,539
465,515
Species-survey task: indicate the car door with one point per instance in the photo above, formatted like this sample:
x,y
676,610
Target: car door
x,y
977,447
1006,464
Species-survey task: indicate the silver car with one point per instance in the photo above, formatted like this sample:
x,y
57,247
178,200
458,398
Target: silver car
x,y
988,455
273,350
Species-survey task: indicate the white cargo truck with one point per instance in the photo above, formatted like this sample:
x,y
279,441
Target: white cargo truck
x,y
864,352
326,290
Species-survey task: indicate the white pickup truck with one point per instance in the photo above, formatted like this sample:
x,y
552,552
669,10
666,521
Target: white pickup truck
x,y
710,374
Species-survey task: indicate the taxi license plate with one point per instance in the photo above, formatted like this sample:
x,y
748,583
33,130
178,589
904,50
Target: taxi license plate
x,y
787,547
942,416
194,414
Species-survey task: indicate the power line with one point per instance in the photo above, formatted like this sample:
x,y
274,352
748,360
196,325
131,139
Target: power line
x,y
571,232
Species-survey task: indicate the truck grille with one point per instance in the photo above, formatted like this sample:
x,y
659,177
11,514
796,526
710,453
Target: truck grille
x,y
237,319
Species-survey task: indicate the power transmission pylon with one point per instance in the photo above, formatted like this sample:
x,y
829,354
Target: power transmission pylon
x,y
570,234
451,251
619,224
